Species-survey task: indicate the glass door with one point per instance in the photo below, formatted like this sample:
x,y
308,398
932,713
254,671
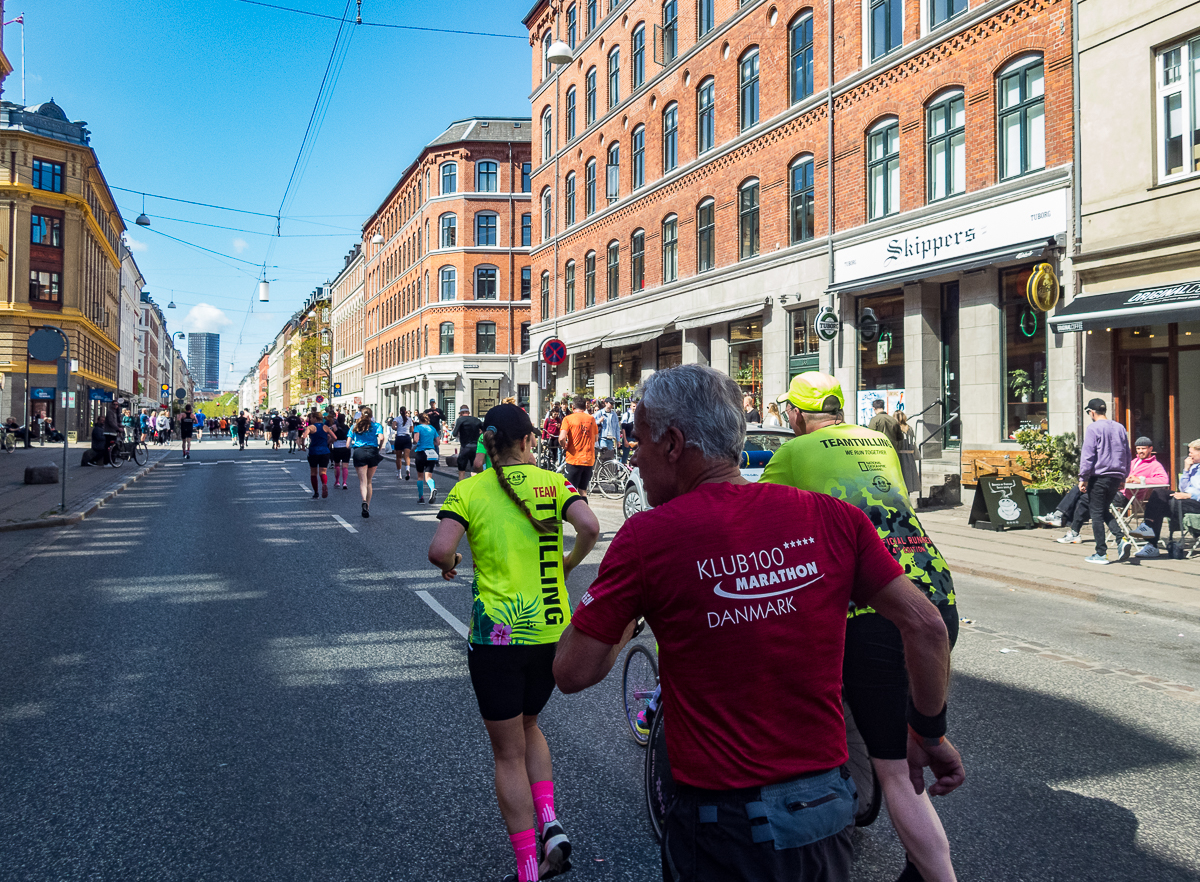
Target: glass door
x,y
951,402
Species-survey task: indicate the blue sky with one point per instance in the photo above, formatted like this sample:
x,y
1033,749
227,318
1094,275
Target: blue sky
x,y
208,101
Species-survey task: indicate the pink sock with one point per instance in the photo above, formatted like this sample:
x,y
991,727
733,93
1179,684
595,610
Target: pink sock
x,y
525,848
325,479
543,803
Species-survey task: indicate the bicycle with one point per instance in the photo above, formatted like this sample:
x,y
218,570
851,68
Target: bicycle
x,y
119,452
609,475
8,440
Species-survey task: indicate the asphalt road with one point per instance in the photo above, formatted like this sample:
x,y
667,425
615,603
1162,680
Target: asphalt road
x,y
215,678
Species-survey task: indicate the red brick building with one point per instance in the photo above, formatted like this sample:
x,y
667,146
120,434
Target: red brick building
x,y
684,198
447,276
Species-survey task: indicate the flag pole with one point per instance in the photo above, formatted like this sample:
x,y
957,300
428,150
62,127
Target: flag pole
x,y
24,102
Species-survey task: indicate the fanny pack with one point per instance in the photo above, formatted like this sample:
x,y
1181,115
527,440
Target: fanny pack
x,y
805,810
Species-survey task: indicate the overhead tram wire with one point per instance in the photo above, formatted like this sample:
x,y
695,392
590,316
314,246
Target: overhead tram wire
x,y
180,220
379,24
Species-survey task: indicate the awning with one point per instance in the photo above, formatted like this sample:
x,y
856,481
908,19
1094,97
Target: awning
x,y
444,377
1031,250
633,337
725,314
486,375
1127,309
585,345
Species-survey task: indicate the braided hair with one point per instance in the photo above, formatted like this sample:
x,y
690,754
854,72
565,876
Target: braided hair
x,y
492,441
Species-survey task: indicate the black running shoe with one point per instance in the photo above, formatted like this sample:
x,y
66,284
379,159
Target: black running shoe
x,y
314,496
433,496
366,511
556,848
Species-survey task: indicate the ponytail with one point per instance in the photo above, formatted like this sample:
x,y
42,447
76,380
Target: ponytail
x,y
493,452
364,422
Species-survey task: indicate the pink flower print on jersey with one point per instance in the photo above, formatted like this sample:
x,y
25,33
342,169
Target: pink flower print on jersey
x,y
501,635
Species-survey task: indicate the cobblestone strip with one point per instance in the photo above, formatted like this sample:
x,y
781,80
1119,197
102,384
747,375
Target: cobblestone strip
x,y
1180,691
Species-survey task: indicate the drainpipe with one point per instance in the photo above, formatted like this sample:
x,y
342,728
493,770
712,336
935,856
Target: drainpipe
x,y
835,344
1077,193
12,223
512,218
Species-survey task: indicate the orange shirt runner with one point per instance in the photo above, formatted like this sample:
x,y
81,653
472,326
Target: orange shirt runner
x,y
582,433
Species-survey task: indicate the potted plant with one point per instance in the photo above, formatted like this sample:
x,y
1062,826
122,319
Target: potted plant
x,y
1052,462
1020,385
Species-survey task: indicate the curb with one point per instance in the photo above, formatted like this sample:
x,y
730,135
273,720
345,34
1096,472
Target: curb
x,y
77,516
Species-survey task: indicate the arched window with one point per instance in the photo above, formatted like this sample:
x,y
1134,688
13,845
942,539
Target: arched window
x,y
637,159
428,293
485,228
883,169
448,230
801,197
670,137
446,338
547,216
589,97
800,53
571,113
426,234
569,287
946,145
637,260
487,177
448,284
670,248
449,177
1022,123
706,235
614,77
670,30
748,219
614,269
547,67
748,89
589,279
545,298
547,135
485,338
589,188
569,200
706,116
612,173
486,283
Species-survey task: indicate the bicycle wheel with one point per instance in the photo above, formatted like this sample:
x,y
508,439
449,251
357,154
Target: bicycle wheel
x,y
9,442
141,453
660,786
639,678
114,456
870,795
610,479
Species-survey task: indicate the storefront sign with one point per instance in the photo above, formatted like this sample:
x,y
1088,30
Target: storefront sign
x,y
1001,504
99,395
41,394
1121,309
1035,217
826,323
1042,289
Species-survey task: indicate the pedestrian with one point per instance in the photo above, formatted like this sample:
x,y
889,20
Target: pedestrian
x,y
404,431
798,560
773,417
908,453
436,418
243,428
1163,504
608,422
163,425
1103,464
199,427
885,424
144,425
628,432
749,410
512,515
577,437
319,451
340,454
425,445
366,438
467,430
187,423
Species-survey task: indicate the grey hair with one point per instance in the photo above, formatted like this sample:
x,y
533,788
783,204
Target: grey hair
x,y
703,404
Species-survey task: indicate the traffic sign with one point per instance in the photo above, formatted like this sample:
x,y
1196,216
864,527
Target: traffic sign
x,y
554,351
181,394
337,388
320,398
45,345
166,387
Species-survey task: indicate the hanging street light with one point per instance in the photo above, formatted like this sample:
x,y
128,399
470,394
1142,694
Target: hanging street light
x,y
142,220
559,53
377,239
264,291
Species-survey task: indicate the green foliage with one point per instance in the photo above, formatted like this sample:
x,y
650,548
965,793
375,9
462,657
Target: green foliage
x,y
1053,460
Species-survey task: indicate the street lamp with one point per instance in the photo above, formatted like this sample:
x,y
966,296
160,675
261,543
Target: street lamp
x,y
142,220
559,53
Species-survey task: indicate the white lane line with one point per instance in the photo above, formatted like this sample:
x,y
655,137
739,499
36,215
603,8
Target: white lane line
x,y
304,487
341,520
443,612
283,468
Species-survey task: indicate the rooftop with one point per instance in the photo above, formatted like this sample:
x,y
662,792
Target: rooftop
x,y
486,128
46,119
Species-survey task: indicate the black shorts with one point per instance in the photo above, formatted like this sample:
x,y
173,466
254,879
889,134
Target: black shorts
x,y
466,458
424,460
318,460
185,434
511,680
580,476
875,680
366,456
340,454
274,436
403,442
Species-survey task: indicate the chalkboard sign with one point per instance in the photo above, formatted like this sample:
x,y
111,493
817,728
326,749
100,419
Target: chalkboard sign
x,y
1001,504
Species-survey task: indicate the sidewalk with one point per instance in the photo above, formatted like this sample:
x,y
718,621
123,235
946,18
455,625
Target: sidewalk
x,y
27,506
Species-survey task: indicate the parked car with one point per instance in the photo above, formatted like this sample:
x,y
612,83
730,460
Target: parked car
x,y
761,442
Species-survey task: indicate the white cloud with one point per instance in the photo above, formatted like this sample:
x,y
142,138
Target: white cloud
x,y
135,246
239,245
204,318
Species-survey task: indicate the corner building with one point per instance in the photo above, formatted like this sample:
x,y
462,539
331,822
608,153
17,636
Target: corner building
x,y
709,174
447,275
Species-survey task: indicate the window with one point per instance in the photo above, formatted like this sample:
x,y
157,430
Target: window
x,y
706,123
887,23
526,185
670,248
802,199
706,235
946,146
748,90
448,224
800,42
881,343
526,230
589,188
639,56
526,283
572,26
485,338
45,230
670,31
705,19
614,269
547,135
485,283
524,337
614,77
446,338
748,219
45,287
547,216
447,282
612,173
569,200
47,175
637,260
591,15
941,11
569,286
1177,71
589,88
545,296
1024,361
449,177
589,279
637,164
1022,118
571,113
670,137
487,177
883,170
485,229
547,67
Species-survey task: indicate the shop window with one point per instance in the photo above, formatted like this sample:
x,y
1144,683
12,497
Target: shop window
x,y
589,279
670,247
800,45
626,367
485,338
614,270
637,260
706,235
584,375
569,287
803,199
805,346
745,356
1023,356
880,332
485,394
946,146
449,178
1022,122
883,170
670,350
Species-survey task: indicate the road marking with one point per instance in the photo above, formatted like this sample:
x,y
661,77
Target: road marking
x,y
304,487
341,520
443,612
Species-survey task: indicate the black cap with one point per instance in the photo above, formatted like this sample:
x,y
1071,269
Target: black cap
x,y
1097,405
509,422
1143,441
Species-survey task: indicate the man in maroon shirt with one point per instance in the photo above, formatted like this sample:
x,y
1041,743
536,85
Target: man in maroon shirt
x,y
746,587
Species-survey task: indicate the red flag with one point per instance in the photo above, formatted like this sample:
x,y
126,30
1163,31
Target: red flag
x,y
20,19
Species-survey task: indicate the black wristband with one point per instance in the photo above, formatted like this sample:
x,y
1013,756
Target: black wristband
x,y
926,727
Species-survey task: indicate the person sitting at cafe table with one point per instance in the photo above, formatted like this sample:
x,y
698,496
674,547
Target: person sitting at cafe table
x,y
1171,505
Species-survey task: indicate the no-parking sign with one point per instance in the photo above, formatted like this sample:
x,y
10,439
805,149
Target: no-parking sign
x,y
554,351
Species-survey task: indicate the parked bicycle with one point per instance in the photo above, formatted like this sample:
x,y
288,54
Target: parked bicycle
x,y
119,452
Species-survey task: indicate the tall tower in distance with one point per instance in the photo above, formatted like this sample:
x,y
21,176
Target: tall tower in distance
x,y
204,360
